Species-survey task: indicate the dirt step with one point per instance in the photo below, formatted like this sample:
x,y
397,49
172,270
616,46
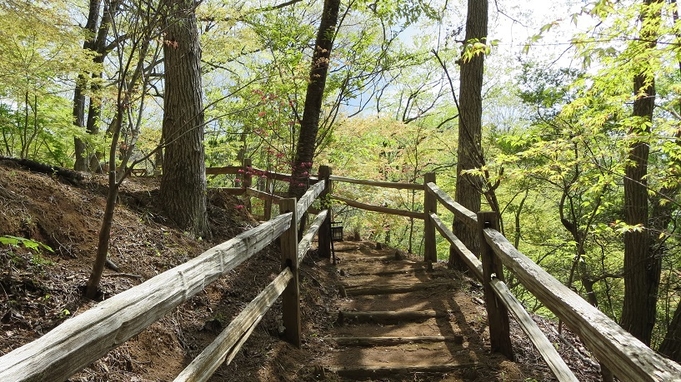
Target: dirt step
x,y
389,317
375,259
389,288
430,327
381,361
395,341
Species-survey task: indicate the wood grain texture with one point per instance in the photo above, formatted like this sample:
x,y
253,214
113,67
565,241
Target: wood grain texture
x,y
85,338
397,185
385,210
228,343
308,198
627,357
457,209
306,242
474,264
527,324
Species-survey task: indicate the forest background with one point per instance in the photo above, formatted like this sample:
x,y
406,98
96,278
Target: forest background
x,y
580,147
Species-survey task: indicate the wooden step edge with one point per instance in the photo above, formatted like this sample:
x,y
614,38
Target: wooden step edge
x,y
394,341
376,258
362,371
361,290
391,272
381,316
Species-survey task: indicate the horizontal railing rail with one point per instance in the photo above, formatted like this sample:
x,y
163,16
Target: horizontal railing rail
x,y
86,337
623,354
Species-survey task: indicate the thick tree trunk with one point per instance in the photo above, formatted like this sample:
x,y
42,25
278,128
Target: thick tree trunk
x,y
671,346
183,184
468,188
79,93
309,125
641,267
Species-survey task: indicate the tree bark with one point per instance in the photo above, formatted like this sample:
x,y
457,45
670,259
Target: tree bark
x,y
469,152
183,183
309,125
641,267
79,93
671,345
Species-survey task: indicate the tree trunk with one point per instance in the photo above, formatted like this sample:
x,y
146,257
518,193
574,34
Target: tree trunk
x,y
183,184
469,152
309,125
81,163
641,267
671,346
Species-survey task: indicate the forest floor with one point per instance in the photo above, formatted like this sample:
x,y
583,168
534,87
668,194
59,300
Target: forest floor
x,y
41,289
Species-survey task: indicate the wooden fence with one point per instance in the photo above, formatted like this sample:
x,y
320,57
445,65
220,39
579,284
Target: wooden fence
x,y
85,338
624,355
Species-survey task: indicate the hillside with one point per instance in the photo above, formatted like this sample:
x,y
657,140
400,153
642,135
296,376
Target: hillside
x,y
42,289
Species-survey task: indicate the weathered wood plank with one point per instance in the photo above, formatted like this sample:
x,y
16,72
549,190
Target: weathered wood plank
x,y
466,255
228,343
527,324
464,213
393,341
492,267
306,242
263,195
378,371
376,289
627,357
223,170
397,185
429,207
86,337
385,210
390,316
310,196
290,305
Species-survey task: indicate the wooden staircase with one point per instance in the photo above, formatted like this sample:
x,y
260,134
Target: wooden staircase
x,y
398,319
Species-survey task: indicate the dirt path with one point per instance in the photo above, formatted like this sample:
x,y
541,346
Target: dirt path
x,y
400,321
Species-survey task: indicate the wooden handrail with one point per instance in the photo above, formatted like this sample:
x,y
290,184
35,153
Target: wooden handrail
x,y
384,210
474,264
228,343
374,183
527,324
86,337
81,340
457,209
627,357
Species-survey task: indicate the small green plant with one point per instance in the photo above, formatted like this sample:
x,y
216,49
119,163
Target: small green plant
x,y
15,241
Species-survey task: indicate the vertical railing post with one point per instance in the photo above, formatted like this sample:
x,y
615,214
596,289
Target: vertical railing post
x,y
429,206
247,182
324,235
289,258
492,268
269,189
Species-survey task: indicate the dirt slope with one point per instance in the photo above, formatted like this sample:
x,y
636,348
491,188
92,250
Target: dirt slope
x,y
39,290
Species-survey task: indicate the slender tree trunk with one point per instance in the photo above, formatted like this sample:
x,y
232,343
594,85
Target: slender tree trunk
x,y
183,184
469,152
641,267
309,125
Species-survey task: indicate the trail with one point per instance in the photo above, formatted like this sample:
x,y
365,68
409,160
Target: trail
x,y
399,320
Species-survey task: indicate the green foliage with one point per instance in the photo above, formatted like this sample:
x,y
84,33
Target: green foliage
x,y
15,241
41,59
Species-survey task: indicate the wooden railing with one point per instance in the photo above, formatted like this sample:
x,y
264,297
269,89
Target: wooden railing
x,y
624,355
83,339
